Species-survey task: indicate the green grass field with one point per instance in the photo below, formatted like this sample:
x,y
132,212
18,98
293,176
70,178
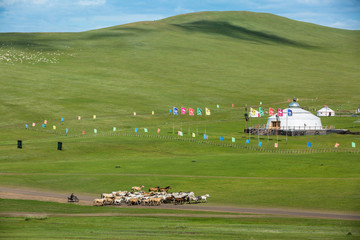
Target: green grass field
x,y
195,60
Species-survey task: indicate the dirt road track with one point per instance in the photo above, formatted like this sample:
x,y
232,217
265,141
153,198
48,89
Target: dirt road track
x,y
30,194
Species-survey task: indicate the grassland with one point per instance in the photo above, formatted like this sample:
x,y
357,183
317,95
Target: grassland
x,y
196,60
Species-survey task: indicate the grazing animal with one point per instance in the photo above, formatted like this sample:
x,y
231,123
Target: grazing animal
x,y
154,189
164,189
203,198
99,201
107,195
137,188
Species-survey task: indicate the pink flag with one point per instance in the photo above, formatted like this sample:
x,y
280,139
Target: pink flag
x,y
232,105
79,118
158,131
183,110
336,145
280,112
33,124
179,133
134,113
289,100
83,132
45,121
276,145
191,112
271,111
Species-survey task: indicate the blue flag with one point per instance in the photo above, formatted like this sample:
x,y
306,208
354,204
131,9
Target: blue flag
x,y
247,141
309,144
170,110
260,144
67,130
221,139
114,129
26,125
136,129
205,136
62,119
43,125
289,112
176,111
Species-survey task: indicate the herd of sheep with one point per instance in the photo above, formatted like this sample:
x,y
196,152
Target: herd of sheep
x,y
154,197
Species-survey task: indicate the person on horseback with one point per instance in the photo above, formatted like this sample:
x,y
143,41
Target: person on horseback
x,y
72,197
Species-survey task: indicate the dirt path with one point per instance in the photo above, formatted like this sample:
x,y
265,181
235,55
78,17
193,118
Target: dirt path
x,y
31,194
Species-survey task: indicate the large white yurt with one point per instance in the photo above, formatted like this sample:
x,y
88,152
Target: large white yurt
x,y
300,119
325,112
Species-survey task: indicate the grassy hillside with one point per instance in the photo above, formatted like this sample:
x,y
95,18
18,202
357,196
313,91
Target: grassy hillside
x,y
194,60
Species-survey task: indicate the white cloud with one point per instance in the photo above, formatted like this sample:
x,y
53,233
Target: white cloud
x,y
91,2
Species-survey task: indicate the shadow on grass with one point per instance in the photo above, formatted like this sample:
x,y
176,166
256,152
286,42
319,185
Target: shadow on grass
x,y
237,32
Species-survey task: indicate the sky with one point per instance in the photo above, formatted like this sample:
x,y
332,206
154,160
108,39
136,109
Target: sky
x,y
83,15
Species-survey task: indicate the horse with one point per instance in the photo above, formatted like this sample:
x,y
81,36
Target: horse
x,y
154,189
137,188
164,189
203,198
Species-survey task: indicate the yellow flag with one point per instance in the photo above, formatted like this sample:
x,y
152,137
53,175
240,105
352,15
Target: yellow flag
x,y
252,112
193,134
54,127
94,117
152,112
207,112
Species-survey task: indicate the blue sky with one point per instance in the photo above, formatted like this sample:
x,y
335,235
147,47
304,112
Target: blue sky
x,y
82,15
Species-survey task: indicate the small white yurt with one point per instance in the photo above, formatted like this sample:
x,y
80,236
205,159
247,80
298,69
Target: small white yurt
x,y
325,112
300,119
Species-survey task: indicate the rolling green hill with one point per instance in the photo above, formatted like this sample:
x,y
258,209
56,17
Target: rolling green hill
x,y
194,60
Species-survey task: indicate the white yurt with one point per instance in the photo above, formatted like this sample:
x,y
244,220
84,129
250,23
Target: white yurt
x,y
300,119
325,112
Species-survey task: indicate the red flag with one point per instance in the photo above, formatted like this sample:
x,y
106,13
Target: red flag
x,y
183,110
276,145
271,111
232,105
158,131
280,112
289,100
191,111
336,145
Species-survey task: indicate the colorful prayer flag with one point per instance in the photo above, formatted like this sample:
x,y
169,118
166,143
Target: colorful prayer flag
x,y
252,112
54,127
262,111
43,125
233,139
145,130
134,113
62,119
83,132
183,110
95,130
260,144
205,137
114,129
136,130
170,111
26,125
275,145
353,144
290,113
280,112
260,103
66,130
289,100
191,112
218,106
193,134
232,105
221,138
79,117
309,144
207,112
94,116
158,131
336,145
33,124
247,140
176,111
45,121
199,111
271,112
152,113
179,133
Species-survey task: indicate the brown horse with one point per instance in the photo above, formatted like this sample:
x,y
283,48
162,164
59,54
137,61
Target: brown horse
x,y
154,189
164,189
137,188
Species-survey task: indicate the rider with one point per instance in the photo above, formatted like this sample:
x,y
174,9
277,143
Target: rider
x,y
72,196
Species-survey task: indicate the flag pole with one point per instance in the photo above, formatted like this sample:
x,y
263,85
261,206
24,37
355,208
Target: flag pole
x,y
189,122
173,120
